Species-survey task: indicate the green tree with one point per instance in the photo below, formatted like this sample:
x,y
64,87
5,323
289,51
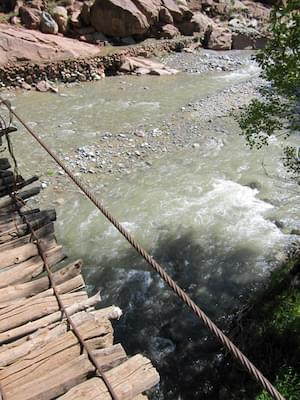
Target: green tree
x,y
277,111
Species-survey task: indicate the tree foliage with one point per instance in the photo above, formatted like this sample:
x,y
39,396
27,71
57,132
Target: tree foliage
x,y
277,111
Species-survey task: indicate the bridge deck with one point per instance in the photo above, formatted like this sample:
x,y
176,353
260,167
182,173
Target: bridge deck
x,y
40,355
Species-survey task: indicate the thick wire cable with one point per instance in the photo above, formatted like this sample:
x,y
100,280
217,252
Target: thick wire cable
x,y
211,326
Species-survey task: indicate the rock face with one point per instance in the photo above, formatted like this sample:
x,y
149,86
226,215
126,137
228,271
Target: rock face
x,y
19,44
118,18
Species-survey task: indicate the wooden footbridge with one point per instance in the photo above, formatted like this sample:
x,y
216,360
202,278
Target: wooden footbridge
x,y
41,357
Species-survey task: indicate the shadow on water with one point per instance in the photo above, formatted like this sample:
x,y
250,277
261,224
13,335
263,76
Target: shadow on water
x,y
157,324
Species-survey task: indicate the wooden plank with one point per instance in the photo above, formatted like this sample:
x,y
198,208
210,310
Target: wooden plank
x,y
30,327
16,221
35,308
26,194
20,254
7,189
46,230
28,289
66,347
128,380
31,268
10,353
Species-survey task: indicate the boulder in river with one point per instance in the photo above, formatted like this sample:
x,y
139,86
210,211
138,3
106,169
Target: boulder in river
x,y
45,86
144,66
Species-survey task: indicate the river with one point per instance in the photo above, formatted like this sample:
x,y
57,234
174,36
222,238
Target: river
x,y
203,205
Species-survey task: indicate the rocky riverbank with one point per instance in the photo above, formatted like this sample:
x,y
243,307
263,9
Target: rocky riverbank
x,y
196,127
86,40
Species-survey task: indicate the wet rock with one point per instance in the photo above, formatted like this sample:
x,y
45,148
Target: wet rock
x,y
295,232
128,19
30,17
48,25
169,31
60,16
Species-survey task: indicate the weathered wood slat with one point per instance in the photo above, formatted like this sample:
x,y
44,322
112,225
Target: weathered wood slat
x,y
128,380
17,314
28,289
12,352
49,319
8,188
31,268
20,254
66,347
18,221
4,164
46,230
26,194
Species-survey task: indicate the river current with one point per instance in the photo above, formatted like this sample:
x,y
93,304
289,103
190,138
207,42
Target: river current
x,y
209,215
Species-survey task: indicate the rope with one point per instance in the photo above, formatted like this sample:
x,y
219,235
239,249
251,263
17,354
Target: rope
x,y
20,202
211,326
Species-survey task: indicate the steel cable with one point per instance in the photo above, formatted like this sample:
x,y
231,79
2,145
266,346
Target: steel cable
x,y
211,326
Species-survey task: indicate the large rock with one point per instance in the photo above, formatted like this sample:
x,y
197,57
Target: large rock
x,y
48,25
200,23
19,44
174,10
118,18
165,16
150,8
8,5
219,38
144,66
169,31
30,17
85,14
60,16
